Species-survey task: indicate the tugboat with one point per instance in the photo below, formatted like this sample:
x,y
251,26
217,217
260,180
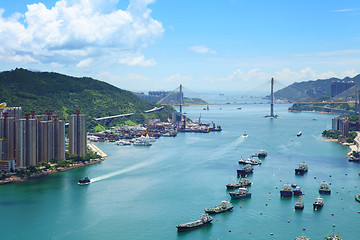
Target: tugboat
x,y
240,193
299,204
223,207
84,181
242,183
246,170
319,203
286,191
357,197
324,188
333,236
205,219
303,168
297,191
262,154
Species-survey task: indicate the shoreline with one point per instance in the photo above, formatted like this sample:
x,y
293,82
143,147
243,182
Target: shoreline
x,y
16,179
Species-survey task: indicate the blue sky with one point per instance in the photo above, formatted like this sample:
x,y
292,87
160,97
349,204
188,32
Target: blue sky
x,y
207,45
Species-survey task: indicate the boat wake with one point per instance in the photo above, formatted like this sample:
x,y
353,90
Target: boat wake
x,y
122,171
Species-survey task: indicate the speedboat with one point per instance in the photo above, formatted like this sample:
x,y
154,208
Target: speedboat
x,y
299,134
244,135
84,181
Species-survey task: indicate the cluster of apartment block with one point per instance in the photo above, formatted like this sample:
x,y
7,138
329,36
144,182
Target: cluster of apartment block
x,y
28,140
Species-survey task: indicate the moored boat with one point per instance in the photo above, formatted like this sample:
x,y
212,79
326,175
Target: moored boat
x,y
240,193
297,191
324,188
223,207
303,168
357,197
262,153
246,170
286,191
205,219
84,181
333,236
299,204
319,203
122,142
242,183
302,238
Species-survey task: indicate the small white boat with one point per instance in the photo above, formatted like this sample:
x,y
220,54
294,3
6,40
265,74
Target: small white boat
x,y
244,135
299,134
122,142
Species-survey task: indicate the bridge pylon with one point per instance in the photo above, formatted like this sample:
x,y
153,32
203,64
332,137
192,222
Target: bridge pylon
x,y
272,101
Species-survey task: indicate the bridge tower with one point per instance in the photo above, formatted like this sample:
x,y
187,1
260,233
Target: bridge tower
x,y
272,101
356,99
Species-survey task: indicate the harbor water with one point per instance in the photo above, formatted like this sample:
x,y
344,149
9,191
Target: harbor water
x,y
144,192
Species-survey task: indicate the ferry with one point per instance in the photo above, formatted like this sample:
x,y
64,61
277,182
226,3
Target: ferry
x,y
286,191
319,203
246,170
84,181
223,207
205,219
324,188
240,193
303,168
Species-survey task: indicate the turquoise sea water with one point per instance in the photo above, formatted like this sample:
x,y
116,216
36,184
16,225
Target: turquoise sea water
x,y
144,192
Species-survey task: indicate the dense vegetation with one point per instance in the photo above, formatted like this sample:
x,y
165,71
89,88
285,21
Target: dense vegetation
x,y
318,90
41,91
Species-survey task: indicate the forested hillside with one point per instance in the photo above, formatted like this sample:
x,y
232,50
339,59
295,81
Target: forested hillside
x,y
63,95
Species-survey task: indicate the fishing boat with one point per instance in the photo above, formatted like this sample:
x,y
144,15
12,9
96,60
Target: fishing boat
x,y
333,236
242,183
205,219
286,191
246,170
299,204
84,181
240,193
223,207
262,154
303,168
297,191
319,203
299,134
324,188
357,197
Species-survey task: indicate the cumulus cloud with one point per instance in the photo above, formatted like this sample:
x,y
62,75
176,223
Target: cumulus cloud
x,y
74,31
137,61
202,49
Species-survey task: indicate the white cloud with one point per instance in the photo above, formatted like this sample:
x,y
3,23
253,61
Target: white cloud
x,y
78,28
202,49
178,78
137,61
86,63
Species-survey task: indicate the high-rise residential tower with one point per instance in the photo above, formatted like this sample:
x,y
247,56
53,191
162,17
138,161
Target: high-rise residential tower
x,y
77,134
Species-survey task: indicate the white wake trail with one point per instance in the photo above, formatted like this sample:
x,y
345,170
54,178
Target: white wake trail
x,y
125,170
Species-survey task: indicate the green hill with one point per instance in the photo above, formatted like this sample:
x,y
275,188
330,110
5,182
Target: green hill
x,y
310,90
41,91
